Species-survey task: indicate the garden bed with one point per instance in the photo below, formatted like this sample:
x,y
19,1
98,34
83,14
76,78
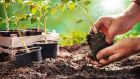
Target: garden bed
x,y
72,64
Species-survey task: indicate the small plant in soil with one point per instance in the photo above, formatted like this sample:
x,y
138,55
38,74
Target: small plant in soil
x,y
95,39
41,10
96,42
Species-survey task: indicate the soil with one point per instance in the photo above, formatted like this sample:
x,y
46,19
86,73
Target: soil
x,y
72,65
10,32
96,42
28,32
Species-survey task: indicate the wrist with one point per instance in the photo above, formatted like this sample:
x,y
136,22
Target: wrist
x,y
133,13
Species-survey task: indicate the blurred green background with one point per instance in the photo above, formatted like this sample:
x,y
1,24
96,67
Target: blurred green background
x,y
65,22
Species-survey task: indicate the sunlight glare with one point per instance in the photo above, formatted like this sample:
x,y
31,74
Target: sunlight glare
x,y
112,4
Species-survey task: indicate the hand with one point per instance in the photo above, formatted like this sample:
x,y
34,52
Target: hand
x,y
118,51
118,24
113,25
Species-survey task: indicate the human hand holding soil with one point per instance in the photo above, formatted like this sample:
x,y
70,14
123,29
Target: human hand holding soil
x,y
118,24
118,51
114,25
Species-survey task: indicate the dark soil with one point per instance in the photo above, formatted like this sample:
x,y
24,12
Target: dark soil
x,y
28,32
9,33
96,42
72,65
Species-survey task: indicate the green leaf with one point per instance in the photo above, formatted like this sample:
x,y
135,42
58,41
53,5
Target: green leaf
x,y
62,7
33,9
22,19
79,21
87,2
71,6
23,26
33,20
20,15
7,1
65,1
1,18
53,11
27,2
44,8
73,0
1,1
19,1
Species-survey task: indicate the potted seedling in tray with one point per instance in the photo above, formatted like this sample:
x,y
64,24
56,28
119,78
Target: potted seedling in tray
x,y
5,5
95,39
15,42
27,55
50,44
26,58
11,38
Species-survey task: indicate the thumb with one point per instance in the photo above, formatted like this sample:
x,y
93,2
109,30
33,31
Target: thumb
x,y
110,36
98,24
105,52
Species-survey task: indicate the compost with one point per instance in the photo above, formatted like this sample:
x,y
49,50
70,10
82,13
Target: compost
x,y
72,63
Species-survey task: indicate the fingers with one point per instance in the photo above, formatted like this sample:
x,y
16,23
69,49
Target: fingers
x,y
109,38
104,24
107,51
104,57
104,20
112,58
95,63
98,24
110,35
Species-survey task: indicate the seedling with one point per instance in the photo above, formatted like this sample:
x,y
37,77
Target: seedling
x,y
95,39
6,20
17,18
83,5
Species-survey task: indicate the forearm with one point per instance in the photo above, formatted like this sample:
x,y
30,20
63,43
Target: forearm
x,y
132,13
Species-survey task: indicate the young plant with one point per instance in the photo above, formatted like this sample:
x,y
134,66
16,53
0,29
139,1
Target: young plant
x,y
6,4
19,16
83,5
41,11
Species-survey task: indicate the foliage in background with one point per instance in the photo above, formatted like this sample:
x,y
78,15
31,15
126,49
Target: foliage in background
x,y
130,34
62,15
79,37
72,38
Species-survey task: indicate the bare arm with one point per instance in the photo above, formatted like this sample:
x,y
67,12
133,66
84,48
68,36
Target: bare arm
x,y
133,12
119,24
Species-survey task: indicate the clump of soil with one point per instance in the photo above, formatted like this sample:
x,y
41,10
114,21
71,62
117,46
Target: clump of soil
x,y
96,42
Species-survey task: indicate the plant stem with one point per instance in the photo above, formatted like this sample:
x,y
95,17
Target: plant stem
x,y
45,26
38,27
6,17
23,42
90,19
45,19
